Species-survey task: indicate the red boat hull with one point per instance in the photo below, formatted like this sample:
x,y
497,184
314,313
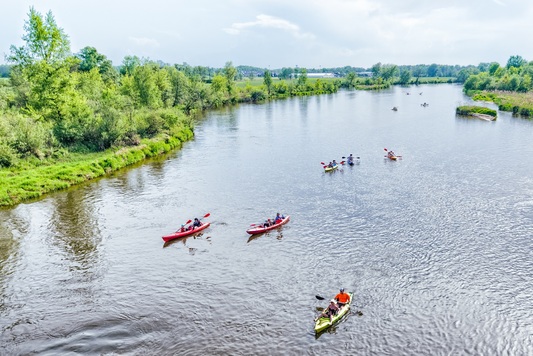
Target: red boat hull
x,y
177,235
260,230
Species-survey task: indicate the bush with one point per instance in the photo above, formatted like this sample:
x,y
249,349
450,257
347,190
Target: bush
x,y
8,156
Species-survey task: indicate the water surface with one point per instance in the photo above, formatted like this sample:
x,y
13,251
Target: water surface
x,y
437,246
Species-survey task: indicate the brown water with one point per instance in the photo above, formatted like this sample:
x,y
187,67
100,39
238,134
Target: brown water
x,y
437,247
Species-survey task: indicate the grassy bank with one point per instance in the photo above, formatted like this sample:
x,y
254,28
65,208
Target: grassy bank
x,y
517,103
17,185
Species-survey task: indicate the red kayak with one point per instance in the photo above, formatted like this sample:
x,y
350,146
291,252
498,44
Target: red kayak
x,y
260,229
178,234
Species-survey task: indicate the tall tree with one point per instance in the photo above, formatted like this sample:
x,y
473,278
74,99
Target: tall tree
x,y
230,73
515,61
268,81
44,41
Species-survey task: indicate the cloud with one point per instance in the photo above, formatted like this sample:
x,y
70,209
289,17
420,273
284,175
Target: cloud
x,y
144,41
266,21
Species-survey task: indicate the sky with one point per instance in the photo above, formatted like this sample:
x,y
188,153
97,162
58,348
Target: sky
x,y
287,33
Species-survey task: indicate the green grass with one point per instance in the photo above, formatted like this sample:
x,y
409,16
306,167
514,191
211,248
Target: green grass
x,y
29,182
472,110
517,103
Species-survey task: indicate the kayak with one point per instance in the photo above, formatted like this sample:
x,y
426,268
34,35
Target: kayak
x,y
178,234
260,230
392,158
331,169
323,323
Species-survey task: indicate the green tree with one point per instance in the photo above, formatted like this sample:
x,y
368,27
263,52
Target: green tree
x,y
129,63
90,58
44,41
376,70
515,61
494,66
433,70
267,80
302,78
230,73
286,73
405,76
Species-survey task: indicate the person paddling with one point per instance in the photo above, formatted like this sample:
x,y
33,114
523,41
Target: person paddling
x,y
350,159
342,298
196,223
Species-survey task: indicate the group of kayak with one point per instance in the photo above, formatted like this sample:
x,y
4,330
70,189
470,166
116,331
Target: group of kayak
x,y
194,226
350,160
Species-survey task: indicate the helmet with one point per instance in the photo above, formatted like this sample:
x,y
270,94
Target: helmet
x,y
342,289
332,301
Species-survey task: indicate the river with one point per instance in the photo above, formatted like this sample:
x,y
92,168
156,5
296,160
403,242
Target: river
x,y
437,246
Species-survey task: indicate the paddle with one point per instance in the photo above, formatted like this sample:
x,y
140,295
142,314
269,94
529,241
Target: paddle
x,y
319,297
352,157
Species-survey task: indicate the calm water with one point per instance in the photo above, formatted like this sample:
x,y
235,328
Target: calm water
x,y
437,246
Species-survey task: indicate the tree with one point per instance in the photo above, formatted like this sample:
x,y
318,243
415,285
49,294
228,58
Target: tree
x,y
389,71
90,58
515,61
267,81
405,76
230,73
433,70
376,70
286,73
493,67
351,79
45,41
129,63
302,78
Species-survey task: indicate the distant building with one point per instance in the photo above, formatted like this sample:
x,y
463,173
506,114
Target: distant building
x,y
320,75
364,74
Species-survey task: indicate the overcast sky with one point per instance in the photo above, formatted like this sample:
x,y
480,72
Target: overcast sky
x,y
287,33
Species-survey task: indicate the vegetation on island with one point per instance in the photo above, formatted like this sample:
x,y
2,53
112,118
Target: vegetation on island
x,y
477,111
509,87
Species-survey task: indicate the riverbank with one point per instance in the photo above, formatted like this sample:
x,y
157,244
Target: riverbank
x,y
517,103
17,185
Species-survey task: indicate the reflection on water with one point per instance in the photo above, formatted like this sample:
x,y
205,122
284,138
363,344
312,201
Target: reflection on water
x,y
436,246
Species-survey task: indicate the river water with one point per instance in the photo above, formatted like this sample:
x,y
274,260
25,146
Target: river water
x,y
437,246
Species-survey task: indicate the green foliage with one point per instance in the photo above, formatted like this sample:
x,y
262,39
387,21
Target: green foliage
x,y
8,155
469,110
45,41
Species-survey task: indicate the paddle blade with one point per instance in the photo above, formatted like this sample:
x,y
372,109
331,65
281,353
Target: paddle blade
x,y
322,163
385,149
319,297
188,222
207,215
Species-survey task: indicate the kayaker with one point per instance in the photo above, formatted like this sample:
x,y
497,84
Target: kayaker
x,y
278,218
330,165
182,228
330,311
350,159
391,154
196,223
342,298
334,163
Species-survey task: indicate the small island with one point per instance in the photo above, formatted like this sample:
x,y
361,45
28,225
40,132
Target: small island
x,y
479,112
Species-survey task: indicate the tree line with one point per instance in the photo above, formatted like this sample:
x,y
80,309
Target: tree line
x,y
56,102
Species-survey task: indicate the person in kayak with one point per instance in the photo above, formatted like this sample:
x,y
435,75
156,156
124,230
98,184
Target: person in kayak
x,y
268,223
278,218
196,223
182,228
342,298
350,159
391,154
330,311
334,163
330,165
